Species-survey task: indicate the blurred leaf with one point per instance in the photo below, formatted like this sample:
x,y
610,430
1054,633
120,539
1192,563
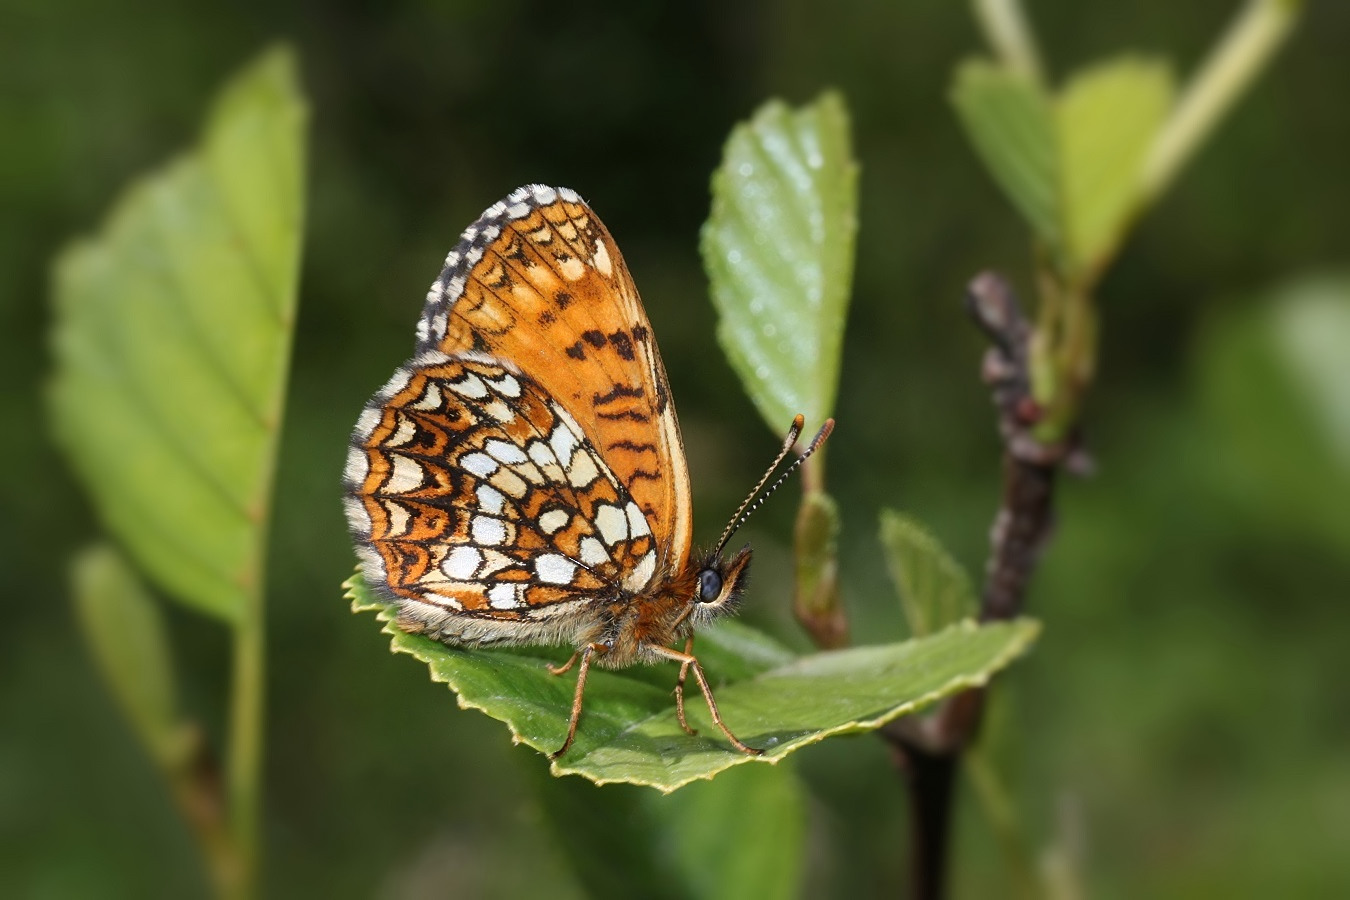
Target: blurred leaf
x,y
1274,393
1312,334
1107,118
635,849
172,336
123,627
764,807
934,590
778,250
674,845
629,732
1011,123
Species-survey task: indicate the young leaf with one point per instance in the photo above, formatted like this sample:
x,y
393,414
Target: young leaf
x,y
1107,118
778,250
934,590
125,632
171,337
1011,123
629,732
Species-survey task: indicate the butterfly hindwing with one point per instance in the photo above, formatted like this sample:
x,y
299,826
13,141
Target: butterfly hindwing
x,y
481,506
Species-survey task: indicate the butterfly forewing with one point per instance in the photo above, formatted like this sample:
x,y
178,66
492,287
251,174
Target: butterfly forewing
x,y
539,281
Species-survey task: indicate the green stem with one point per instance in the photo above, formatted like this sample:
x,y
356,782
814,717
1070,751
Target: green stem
x,y
1234,63
244,772
1005,28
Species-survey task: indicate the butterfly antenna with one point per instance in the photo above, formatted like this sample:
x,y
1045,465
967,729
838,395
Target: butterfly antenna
x,y
750,503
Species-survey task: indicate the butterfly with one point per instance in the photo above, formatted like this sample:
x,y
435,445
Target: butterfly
x,y
522,479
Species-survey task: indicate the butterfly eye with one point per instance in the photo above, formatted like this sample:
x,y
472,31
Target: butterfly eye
x,y
709,586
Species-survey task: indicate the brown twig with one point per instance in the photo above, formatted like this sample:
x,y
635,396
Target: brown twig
x,y
928,749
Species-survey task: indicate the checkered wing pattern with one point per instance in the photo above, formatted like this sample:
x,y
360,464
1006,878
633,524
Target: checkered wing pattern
x,y
525,468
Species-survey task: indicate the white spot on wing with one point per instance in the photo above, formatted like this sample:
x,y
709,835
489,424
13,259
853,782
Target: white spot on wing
x,y
642,573
504,452
601,259
507,385
498,410
637,522
470,386
479,464
563,442
398,518
488,531
552,520
404,433
462,563
503,596
593,552
554,568
582,471
406,475
490,500
543,195
613,524
431,398
571,268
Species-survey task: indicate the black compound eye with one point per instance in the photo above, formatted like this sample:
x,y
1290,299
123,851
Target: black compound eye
x,y
709,586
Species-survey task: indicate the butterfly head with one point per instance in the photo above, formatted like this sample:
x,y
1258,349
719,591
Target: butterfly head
x,y
719,585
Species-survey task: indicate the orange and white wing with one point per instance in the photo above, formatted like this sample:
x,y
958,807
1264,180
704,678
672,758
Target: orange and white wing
x,y
481,507
538,283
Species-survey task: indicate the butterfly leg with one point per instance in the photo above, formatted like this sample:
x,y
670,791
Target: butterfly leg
x,y
558,670
576,697
688,660
679,687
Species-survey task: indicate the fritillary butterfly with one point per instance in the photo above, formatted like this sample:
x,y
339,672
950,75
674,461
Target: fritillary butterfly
x,y
522,480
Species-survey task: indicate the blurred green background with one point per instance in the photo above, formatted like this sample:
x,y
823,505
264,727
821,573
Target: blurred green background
x,y
1182,728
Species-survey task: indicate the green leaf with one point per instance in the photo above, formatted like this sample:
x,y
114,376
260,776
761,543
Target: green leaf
x,y
778,250
629,732
1011,122
767,858
125,632
934,590
172,335
664,842
1107,119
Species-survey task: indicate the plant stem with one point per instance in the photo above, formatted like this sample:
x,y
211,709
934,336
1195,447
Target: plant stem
x,y
1005,28
244,772
1239,57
